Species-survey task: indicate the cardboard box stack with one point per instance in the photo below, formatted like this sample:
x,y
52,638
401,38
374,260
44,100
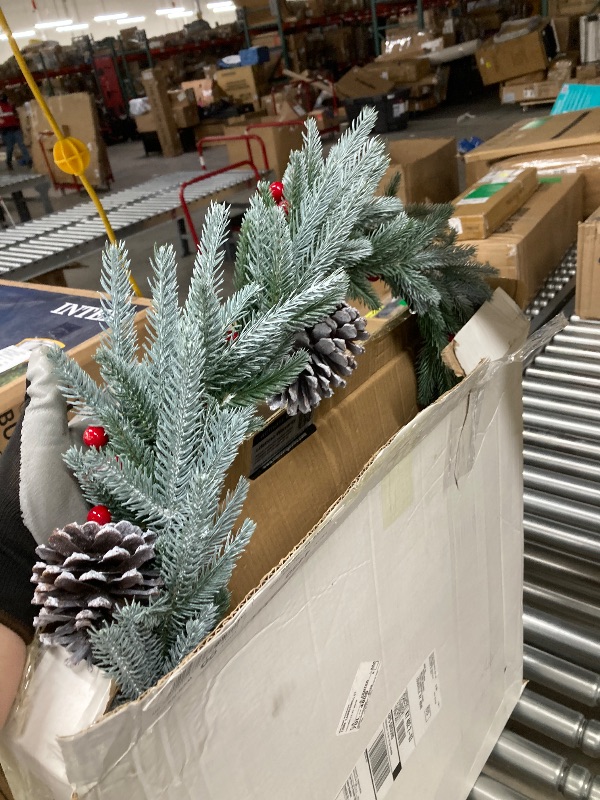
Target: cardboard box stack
x,y
554,145
428,170
587,284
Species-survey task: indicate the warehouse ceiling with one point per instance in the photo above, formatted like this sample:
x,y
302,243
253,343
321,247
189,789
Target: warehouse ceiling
x,y
25,15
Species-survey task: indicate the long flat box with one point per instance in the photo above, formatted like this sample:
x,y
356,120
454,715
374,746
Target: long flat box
x,y
407,592
535,239
279,143
428,170
500,61
482,208
401,70
30,312
587,285
531,92
575,129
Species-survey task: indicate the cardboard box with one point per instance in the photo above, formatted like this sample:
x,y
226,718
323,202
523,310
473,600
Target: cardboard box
x,y
588,71
530,52
363,82
184,107
482,208
428,170
575,129
279,143
155,86
45,312
570,8
348,611
535,239
145,123
243,84
204,90
561,69
531,92
587,284
406,42
77,113
401,71
531,77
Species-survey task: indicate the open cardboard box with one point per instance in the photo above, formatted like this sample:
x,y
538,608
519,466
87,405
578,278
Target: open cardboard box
x,y
383,650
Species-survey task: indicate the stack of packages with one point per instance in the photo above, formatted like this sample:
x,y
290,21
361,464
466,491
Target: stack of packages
x,y
401,76
364,572
533,59
565,151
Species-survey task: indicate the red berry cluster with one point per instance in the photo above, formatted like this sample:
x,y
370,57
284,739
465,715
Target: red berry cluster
x,y
96,436
277,190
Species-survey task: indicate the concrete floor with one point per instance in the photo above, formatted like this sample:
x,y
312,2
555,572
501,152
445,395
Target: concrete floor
x,y
484,118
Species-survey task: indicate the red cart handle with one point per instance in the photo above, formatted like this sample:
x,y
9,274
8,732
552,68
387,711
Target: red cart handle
x,y
232,138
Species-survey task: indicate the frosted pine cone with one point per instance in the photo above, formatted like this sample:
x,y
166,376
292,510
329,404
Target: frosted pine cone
x,y
333,345
86,572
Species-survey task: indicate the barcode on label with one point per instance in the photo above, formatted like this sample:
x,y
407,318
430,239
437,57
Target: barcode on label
x,y
379,762
351,789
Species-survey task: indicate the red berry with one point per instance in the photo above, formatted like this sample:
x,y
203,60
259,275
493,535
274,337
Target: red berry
x,y
277,191
95,436
450,337
372,278
99,514
285,206
231,336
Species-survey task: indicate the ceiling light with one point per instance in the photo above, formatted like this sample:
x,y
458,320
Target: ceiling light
x,y
110,17
179,14
224,5
40,26
81,26
18,35
164,11
130,20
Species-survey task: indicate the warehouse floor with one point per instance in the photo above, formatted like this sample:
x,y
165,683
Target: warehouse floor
x,y
483,118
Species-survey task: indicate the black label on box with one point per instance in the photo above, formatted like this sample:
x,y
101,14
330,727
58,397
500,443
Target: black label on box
x,y
277,439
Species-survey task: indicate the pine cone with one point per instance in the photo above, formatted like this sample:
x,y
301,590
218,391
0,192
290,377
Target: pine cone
x,y
86,572
333,345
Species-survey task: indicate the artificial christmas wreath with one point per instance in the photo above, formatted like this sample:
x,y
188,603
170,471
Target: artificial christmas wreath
x,y
140,585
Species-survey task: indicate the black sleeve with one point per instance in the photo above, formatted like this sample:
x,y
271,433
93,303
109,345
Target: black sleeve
x,y
17,546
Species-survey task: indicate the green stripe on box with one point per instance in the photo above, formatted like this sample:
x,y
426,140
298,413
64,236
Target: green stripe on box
x,y
485,190
549,178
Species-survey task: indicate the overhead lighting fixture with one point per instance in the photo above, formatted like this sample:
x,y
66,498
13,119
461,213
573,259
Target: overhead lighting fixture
x,y
18,35
40,26
81,26
163,12
111,17
130,20
224,5
179,14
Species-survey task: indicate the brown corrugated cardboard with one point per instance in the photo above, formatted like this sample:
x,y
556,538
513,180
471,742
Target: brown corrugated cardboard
x,y
145,123
531,77
279,143
500,61
561,68
574,129
184,107
567,33
204,90
428,170
587,285
588,71
243,84
482,208
77,113
155,86
12,393
362,82
531,92
349,608
401,71
534,240
570,8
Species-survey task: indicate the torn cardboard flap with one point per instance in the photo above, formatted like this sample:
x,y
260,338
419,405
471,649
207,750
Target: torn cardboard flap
x,y
497,329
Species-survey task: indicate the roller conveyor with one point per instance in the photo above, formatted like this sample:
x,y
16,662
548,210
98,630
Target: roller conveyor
x,y
542,752
41,245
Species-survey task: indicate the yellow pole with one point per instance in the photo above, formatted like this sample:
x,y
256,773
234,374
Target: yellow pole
x,y
70,155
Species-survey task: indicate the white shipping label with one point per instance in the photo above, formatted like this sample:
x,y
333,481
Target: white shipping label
x,y
356,705
502,176
454,222
12,356
397,737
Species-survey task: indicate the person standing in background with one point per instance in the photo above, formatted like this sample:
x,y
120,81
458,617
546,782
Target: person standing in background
x,y
12,135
